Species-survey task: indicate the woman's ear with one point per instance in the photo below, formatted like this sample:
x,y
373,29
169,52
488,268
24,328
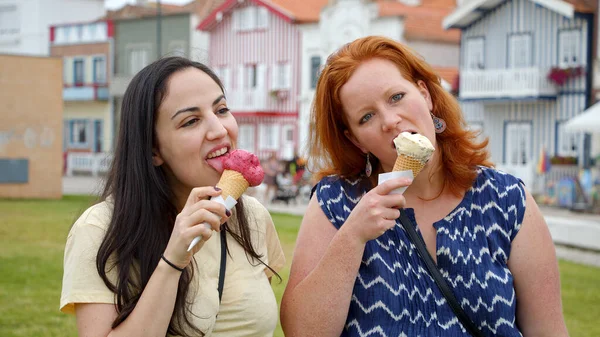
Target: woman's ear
x,y
354,141
157,159
425,93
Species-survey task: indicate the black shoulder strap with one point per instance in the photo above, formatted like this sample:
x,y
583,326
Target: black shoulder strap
x,y
437,276
223,263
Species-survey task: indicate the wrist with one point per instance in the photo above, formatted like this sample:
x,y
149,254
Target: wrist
x,y
351,236
168,263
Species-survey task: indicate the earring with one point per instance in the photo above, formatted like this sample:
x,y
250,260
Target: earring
x,y
438,123
368,168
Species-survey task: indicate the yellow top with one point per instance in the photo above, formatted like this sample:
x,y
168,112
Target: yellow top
x,y
248,306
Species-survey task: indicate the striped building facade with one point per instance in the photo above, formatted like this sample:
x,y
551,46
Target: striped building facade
x,y
508,51
255,50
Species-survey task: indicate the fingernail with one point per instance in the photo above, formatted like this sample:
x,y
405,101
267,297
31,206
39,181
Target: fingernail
x,y
217,188
227,212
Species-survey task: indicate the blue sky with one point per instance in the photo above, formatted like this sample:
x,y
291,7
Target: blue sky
x,y
113,4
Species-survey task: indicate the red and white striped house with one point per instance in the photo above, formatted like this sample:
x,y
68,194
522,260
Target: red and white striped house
x,y
269,52
255,49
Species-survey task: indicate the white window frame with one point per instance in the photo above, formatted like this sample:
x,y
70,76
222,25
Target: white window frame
x,y
246,137
269,136
569,48
520,50
251,74
250,18
10,23
566,142
281,76
517,143
99,75
475,53
138,56
262,18
77,60
77,128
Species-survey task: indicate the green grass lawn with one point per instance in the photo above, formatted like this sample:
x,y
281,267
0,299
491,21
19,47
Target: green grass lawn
x,y
32,238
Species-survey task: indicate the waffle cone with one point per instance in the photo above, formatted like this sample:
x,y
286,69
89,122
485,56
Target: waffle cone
x,y
404,163
233,184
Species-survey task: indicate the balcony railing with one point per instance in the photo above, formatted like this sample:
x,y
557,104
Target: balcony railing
x,y
506,84
86,92
88,163
248,100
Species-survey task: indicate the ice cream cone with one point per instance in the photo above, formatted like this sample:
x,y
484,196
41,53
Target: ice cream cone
x,y
404,163
233,184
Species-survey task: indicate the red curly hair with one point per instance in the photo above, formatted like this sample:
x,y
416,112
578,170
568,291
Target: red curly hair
x,y
331,152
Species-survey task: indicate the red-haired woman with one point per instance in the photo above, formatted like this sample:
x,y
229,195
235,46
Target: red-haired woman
x,y
355,270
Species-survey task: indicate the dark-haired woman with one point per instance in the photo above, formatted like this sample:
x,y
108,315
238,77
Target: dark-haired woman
x,y
127,270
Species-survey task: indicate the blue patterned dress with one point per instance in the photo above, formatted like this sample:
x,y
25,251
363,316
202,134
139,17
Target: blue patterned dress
x,y
394,295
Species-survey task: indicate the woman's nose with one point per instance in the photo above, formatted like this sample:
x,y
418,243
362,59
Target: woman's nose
x,y
390,120
216,129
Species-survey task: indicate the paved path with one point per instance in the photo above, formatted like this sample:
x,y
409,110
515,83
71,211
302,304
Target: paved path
x,y
576,235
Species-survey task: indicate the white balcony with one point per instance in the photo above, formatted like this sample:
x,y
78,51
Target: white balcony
x,y
493,84
250,100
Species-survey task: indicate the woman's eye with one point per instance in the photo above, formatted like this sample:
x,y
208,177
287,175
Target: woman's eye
x,y
366,118
395,98
190,122
223,111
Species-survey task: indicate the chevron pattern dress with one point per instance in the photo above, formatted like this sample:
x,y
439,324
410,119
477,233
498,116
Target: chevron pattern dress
x,y
394,295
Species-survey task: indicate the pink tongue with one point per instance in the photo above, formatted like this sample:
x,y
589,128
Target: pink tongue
x,y
216,163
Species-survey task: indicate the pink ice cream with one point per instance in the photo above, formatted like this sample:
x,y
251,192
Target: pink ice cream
x,y
245,163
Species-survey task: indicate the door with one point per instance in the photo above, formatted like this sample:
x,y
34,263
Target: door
x,y
287,149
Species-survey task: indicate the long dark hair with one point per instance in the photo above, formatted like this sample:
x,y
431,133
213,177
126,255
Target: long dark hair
x,y
143,209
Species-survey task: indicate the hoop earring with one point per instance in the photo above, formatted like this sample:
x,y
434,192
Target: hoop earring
x,y
438,123
368,167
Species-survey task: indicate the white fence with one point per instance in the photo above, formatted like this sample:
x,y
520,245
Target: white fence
x,y
502,83
88,163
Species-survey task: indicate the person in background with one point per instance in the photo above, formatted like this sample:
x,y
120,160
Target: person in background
x,y
127,268
355,272
272,169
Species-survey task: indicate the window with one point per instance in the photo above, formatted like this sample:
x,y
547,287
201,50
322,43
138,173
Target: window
x,y
281,76
269,137
9,20
315,69
59,34
569,48
475,53
138,59
250,18
517,142
520,51
78,72
262,20
251,78
78,134
99,70
566,142
224,75
246,137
